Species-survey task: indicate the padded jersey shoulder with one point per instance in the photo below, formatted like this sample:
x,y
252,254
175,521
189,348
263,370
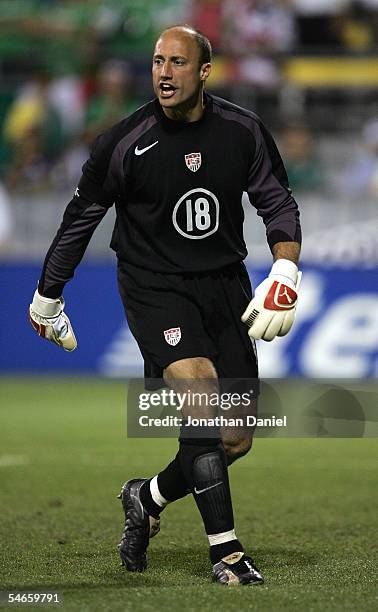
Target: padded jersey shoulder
x,y
107,141
264,140
232,111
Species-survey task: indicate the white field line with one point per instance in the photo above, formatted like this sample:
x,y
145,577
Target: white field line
x,y
11,460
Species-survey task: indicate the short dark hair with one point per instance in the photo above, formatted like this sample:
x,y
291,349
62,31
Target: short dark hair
x,y
202,41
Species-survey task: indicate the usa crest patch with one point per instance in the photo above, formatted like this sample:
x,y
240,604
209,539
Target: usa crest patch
x,y
172,335
193,161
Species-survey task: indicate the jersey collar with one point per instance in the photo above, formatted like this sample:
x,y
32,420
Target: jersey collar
x,y
174,125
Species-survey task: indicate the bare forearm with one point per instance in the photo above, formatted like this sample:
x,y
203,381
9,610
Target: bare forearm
x,y
286,250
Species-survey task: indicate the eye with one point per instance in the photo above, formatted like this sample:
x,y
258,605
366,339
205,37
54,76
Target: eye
x,y
179,62
158,61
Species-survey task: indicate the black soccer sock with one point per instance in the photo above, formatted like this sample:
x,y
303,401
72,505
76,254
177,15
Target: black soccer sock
x,y
204,465
171,481
148,502
169,485
219,551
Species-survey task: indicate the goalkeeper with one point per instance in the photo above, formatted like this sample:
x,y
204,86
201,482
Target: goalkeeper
x,y
176,170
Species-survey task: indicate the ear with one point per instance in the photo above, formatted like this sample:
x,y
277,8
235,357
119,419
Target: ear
x,y
205,71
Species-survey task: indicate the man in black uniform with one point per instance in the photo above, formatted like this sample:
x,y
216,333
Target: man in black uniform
x,y
176,170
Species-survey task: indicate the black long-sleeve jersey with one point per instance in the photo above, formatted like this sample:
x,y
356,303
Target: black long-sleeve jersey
x,y
177,188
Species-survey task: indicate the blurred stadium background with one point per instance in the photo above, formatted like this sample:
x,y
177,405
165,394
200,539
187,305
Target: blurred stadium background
x,y
68,69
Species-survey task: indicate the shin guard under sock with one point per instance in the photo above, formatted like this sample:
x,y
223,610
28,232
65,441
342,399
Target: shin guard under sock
x,y
204,465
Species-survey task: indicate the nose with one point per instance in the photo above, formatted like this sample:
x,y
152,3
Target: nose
x,y
166,72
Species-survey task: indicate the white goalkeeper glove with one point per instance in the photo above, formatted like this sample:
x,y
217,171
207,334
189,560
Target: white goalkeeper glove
x,y
271,312
50,322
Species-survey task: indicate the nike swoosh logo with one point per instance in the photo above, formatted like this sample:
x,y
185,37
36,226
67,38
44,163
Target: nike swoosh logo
x,y
198,491
138,151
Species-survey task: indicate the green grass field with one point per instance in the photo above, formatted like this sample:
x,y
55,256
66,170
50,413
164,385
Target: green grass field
x,y
305,508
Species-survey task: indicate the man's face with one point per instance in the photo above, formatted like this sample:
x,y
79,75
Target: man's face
x,y
176,72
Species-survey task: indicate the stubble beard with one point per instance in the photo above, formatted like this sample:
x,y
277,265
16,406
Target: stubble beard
x,y
181,111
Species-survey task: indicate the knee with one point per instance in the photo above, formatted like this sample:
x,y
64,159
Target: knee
x,y
194,368
236,448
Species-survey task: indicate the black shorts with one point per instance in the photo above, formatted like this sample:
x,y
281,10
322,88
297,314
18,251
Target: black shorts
x,y
177,316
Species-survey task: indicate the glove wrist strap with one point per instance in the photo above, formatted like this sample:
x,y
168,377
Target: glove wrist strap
x,y
47,307
287,269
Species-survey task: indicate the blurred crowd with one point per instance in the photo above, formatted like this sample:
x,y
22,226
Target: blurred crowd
x,y
51,123
69,69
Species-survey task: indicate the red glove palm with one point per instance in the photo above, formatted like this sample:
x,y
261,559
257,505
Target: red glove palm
x,y
271,312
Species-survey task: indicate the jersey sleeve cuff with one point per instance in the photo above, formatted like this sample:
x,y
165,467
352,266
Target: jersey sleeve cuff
x,y
280,236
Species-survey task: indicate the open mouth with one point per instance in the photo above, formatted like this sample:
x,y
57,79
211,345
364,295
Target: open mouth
x,y
167,90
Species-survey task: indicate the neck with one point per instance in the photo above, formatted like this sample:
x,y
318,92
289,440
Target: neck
x,y
187,112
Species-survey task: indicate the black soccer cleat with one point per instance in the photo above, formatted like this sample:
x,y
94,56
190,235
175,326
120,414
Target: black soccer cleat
x,y
139,527
236,569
